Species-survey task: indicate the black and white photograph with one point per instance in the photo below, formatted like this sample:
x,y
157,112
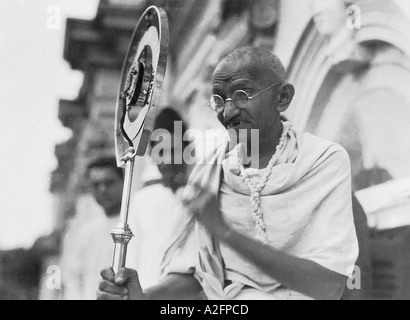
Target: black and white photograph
x,y
217,151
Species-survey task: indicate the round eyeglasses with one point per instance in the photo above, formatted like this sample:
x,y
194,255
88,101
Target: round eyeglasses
x,y
240,99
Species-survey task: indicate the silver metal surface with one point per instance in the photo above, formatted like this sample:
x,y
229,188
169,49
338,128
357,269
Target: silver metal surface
x,y
141,83
138,100
122,233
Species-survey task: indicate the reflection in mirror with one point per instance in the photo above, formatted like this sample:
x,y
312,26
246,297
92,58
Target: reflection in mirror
x,y
139,85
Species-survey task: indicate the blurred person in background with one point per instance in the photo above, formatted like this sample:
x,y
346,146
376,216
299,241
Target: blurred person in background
x,y
86,250
156,210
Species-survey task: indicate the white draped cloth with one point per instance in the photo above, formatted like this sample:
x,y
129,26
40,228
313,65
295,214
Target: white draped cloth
x,y
307,211
155,215
90,251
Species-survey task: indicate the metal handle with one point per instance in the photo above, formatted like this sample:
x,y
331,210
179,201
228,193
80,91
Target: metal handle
x,y
122,233
121,237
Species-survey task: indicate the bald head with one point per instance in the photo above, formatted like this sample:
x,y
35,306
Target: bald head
x,y
260,63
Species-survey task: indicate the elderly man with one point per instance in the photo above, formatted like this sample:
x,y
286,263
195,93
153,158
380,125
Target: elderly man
x,y
280,230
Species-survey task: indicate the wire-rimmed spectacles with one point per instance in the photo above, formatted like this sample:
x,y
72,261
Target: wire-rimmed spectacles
x,y
240,99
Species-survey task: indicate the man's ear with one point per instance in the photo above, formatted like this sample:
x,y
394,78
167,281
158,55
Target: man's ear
x,y
286,93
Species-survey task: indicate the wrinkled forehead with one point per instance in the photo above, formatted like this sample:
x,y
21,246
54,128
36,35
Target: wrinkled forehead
x,y
244,69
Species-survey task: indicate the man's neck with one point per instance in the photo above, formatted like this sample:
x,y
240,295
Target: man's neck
x,y
267,145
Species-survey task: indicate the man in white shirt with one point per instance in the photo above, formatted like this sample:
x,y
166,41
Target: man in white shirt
x,y
156,210
88,248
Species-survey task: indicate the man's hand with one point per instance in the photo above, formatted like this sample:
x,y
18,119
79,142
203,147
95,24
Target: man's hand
x,y
123,286
205,208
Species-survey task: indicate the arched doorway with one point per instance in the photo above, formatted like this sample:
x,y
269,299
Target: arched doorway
x,y
364,104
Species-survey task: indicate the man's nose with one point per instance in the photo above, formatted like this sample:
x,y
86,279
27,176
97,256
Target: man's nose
x,y
230,111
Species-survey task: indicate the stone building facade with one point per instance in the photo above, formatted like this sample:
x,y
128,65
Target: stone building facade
x,y
351,83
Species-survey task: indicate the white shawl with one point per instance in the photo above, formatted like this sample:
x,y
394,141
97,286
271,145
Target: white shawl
x,y
307,210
